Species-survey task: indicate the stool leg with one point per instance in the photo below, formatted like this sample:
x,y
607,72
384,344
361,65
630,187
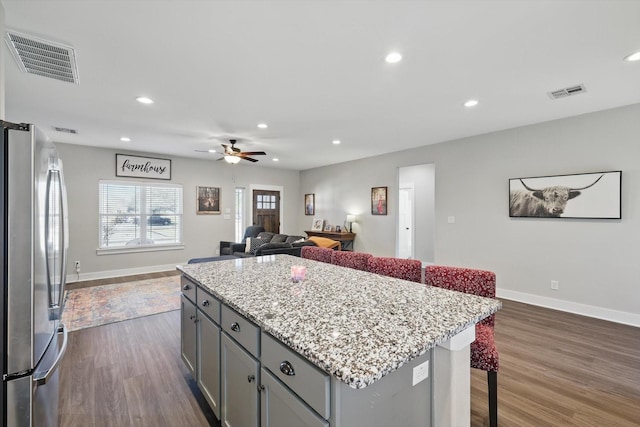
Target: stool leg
x,y
492,382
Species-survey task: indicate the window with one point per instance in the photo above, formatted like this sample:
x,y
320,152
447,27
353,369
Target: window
x,y
139,215
240,221
266,201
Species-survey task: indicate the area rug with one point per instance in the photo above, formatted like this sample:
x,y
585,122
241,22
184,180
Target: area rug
x,y
100,305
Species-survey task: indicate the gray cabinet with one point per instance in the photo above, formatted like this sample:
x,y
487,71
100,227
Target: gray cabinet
x,y
188,334
239,387
282,408
209,361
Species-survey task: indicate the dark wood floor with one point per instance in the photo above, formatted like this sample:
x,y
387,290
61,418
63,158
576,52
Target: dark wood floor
x,y
557,369
130,374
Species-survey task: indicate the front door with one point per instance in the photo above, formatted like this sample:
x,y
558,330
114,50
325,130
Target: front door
x,y
266,210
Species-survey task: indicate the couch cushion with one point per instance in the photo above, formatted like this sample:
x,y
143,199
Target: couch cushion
x,y
266,236
271,245
303,243
279,238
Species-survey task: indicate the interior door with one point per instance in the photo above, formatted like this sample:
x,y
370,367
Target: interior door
x,y
406,248
266,209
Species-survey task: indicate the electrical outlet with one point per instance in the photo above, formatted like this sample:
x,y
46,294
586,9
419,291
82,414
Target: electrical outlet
x,y
555,285
420,372
77,266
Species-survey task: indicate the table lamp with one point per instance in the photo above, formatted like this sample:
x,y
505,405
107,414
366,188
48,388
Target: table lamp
x,y
350,220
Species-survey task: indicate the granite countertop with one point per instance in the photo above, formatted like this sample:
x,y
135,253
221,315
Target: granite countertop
x,y
355,325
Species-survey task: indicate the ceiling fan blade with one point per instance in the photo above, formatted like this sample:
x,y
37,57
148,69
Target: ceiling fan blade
x,y
249,158
254,153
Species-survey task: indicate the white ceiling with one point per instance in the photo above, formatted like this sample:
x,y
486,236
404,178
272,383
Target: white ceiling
x,y
314,71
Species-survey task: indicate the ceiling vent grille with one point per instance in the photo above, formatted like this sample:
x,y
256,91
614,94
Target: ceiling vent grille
x,y
43,57
65,130
563,93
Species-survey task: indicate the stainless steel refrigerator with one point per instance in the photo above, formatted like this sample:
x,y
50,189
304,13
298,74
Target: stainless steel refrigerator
x,y
34,251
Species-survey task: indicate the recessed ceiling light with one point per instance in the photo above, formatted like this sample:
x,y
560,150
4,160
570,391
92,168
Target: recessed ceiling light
x,y
262,125
212,151
275,159
471,103
393,58
125,139
632,57
336,142
144,100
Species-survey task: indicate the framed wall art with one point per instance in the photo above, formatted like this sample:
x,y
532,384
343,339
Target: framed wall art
x,y
378,200
310,204
317,224
207,200
595,195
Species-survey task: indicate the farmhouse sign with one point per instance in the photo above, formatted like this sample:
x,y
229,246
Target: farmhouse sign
x,y
142,167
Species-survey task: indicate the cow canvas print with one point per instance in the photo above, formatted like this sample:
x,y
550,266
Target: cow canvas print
x,y
588,195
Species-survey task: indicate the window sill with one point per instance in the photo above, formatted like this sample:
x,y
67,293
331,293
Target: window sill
x,y
134,249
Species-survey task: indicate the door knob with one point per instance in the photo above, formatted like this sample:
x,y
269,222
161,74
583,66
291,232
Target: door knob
x,y
235,327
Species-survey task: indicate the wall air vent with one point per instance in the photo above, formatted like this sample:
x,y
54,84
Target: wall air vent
x,y
43,57
563,93
65,130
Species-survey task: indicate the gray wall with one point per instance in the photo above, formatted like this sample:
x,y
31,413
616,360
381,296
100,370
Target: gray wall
x,y
85,166
595,261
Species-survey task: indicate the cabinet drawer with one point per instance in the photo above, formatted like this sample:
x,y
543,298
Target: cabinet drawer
x,y
188,288
282,408
306,380
209,304
241,330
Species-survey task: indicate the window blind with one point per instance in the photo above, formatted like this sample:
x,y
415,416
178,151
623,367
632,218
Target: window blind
x,y
139,214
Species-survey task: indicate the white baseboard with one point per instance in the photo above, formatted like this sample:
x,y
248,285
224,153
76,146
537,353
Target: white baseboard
x,y
82,277
571,307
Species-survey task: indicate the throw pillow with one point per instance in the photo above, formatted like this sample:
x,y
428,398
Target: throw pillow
x,y
255,244
300,240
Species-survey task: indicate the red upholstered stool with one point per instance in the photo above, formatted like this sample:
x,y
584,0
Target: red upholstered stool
x,y
484,354
407,269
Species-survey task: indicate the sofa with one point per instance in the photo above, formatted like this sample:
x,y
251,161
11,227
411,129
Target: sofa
x,y
267,243
251,231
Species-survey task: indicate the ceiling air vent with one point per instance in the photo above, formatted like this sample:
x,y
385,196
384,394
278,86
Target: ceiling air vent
x,y
563,93
65,130
43,57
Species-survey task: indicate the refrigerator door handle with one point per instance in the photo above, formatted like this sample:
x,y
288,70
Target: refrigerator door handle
x,y
65,237
41,379
58,182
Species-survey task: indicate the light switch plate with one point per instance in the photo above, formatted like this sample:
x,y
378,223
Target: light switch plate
x,y
226,216
451,219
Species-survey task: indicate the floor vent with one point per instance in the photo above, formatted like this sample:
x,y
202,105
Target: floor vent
x,y
65,130
563,93
43,57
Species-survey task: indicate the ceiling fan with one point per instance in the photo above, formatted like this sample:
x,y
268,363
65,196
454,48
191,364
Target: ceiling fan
x,y
232,154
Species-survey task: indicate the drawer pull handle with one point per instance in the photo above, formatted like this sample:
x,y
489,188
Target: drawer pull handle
x,y
287,369
206,303
186,287
251,378
235,327
192,317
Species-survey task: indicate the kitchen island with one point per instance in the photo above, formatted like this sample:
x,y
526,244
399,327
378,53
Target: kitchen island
x,y
341,348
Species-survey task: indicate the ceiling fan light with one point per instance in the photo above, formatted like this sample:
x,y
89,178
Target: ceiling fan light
x,y
231,159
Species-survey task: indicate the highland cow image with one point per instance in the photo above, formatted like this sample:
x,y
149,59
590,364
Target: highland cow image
x,y
588,195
